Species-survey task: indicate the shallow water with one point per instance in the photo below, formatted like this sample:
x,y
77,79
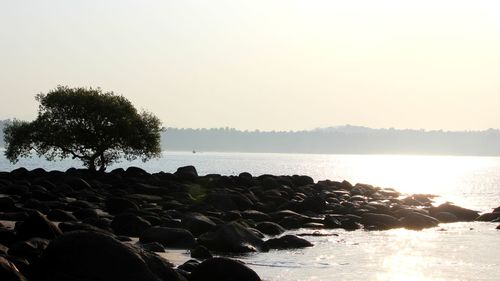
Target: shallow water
x,y
458,251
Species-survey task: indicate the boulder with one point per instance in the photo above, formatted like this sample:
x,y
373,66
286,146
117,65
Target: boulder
x,y
287,242
445,217
232,237
223,269
9,272
60,215
201,253
85,213
197,223
153,247
36,225
93,256
187,173
168,237
418,221
461,213
30,249
270,228
117,205
489,216
129,225
379,221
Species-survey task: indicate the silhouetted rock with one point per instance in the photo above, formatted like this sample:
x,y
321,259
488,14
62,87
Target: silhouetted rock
x,y
461,213
270,228
36,225
197,223
60,215
445,217
201,252
232,237
95,256
120,205
223,269
187,173
379,221
168,237
418,221
129,225
489,216
287,242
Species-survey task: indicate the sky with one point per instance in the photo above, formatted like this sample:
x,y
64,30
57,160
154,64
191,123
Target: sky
x,y
267,65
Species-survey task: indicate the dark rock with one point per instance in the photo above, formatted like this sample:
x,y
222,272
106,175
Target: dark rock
x,y
270,228
168,237
187,173
461,213
14,216
201,252
232,237
95,256
302,180
223,269
255,215
287,242
120,205
379,221
36,225
418,221
36,205
445,217
489,216
153,247
60,215
77,183
9,272
76,226
7,204
30,249
86,213
197,223
129,225
189,266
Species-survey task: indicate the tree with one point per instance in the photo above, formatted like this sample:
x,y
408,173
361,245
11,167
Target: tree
x,y
88,124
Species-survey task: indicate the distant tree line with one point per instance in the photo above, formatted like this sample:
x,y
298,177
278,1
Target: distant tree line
x,y
334,140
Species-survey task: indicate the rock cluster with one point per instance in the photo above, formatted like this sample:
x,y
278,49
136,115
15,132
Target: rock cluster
x,y
72,225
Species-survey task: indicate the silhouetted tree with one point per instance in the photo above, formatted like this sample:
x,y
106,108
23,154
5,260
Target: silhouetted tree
x,y
95,127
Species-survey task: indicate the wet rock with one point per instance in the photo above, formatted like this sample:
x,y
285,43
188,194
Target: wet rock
x,y
189,266
201,252
256,216
287,242
418,221
461,213
129,225
36,225
30,249
270,228
379,221
168,237
232,237
489,216
223,269
9,272
95,256
445,217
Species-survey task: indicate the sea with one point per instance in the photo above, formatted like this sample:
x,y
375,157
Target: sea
x,y
455,251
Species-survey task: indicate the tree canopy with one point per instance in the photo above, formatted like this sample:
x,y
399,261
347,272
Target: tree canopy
x,y
88,124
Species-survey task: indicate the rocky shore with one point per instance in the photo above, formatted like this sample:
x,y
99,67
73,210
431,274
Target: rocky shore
x,y
77,225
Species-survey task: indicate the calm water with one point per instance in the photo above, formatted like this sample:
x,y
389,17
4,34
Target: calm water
x,y
460,251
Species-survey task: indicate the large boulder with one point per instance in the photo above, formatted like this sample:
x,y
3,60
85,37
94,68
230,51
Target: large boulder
x,y
270,228
418,221
461,213
379,221
489,216
232,237
223,269
187,173
168,237
93,256
287,242
116,205
129,225
36,225
197,223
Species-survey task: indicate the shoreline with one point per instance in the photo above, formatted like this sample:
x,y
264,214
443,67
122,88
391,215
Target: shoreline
x,y
206,215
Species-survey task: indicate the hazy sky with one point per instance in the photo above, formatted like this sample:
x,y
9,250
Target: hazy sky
x,y
262,64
